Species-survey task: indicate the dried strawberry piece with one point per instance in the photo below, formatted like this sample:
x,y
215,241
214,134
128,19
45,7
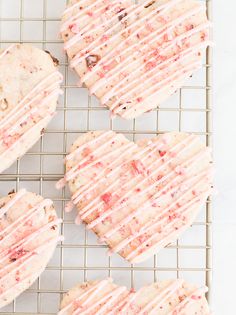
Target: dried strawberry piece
x,y
139,99
138,167
162,153
196,297
18,254
189,27
150,65
106,197
86,151
90,13
92,60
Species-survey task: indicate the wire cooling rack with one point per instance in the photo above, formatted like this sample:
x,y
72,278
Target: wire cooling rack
x,y
79,257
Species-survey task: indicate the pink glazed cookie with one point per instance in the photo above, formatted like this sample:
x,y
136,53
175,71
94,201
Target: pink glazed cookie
x,y
29,232
134,56
138,197
29,89
172,297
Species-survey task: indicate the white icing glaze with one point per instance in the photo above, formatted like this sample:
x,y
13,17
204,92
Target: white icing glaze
x,y
28,258
23,218
76,169
30,97
32,111
86,31
169,183
187,208
152,225
20,243
88,294
79,15
88,209
12,201
150,17
160,86
110,296
87,188
26,115
149,57
160,299
152,75
188,300
28,239
39,123
78,150
124,58
156,196
124,303
111,299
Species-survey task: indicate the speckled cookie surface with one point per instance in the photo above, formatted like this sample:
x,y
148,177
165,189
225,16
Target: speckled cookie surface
x,y
172,297
138,197
29,231
29,89
133,57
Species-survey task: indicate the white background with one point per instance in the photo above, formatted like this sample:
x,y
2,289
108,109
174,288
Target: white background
x,y
224,123
224,150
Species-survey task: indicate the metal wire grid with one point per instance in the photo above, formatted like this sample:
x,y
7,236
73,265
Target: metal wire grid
x,y
43,297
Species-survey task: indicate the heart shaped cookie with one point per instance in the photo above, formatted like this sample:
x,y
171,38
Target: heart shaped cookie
x,y
29,89
29,231
134,56
171,297
138,197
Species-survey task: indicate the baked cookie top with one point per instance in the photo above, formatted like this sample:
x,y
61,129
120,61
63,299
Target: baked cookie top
x,y
138,197
134,56
29,232
29,89
171,297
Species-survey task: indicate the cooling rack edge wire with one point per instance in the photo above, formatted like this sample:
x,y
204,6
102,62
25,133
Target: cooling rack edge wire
x,y
38,171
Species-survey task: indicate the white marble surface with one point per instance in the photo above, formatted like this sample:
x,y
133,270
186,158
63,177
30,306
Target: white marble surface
x,y
224,277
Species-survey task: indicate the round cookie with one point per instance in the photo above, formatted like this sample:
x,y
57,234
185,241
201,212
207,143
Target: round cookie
x,y
138,197
29,89
29,232
169,297
134,56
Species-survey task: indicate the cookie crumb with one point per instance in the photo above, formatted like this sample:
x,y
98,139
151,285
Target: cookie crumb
x,y
11,192
55,60
3,104
149,4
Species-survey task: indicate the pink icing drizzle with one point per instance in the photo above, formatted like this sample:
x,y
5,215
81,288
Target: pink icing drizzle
x,y
149,58
154,304
151,16
88,294
17,250
161,84
152,169
112,303
12,201
188,300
